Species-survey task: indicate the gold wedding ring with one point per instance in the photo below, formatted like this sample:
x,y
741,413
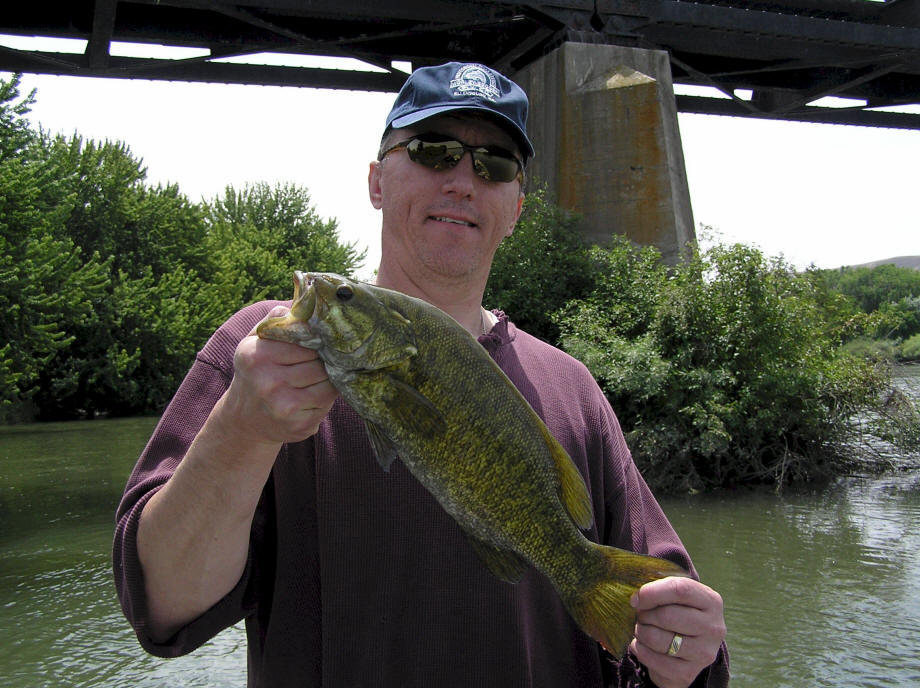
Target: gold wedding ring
x,y
676,642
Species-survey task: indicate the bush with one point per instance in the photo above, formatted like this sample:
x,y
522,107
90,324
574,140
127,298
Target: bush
x,y
910,349
543,264
723,370
885,350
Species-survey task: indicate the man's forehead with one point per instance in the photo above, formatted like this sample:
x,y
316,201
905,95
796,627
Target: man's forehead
x,y
459,122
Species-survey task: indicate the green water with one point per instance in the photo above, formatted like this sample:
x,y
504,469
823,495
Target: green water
x,y
820,586
60,623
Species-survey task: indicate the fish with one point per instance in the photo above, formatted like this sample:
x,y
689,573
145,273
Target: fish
x,y
432,397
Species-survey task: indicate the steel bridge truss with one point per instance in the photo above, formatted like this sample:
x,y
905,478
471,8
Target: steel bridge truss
x,y
769,59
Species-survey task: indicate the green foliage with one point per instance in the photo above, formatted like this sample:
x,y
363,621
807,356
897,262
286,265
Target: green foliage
x,y
726,369
258,236
539,267
722,370
113,212
46,281
888,295
109,286
15,131
882,350
910,349
904,315
872,287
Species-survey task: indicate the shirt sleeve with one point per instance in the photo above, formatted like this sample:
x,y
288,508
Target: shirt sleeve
x,y
206,381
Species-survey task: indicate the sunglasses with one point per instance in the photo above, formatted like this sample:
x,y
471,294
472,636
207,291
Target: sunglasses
x,y
492,163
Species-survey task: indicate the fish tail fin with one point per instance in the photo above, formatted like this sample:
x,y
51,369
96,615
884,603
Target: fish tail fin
x,y
601,607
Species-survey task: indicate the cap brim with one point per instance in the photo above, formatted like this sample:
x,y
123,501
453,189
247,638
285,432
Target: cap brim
x,y
415,117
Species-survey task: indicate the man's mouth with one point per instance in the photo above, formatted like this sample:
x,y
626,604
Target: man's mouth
x,y
441,218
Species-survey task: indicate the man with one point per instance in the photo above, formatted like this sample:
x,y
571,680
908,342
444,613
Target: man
x,y
258,496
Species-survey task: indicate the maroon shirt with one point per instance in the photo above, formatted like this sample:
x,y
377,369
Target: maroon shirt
x,y
357,577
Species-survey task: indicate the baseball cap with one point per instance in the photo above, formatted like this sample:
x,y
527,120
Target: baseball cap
x,y
455,86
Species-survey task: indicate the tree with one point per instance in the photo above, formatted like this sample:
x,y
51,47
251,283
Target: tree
x,y
543,264
150,239
873,287
257,237
108,286
46,281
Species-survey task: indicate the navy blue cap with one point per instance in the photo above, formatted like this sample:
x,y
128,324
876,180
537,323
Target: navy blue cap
x,y
454,86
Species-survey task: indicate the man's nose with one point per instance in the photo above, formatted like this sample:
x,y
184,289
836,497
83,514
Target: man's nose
x,y
461,178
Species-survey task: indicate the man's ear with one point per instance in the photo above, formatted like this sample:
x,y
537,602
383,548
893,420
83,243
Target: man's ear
x,y
373,185
517,215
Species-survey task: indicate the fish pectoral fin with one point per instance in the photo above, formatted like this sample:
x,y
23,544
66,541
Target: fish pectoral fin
x,y
412,410
383,446
572,488
503,563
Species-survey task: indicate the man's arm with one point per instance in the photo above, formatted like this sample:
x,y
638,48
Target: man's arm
x,y
193,535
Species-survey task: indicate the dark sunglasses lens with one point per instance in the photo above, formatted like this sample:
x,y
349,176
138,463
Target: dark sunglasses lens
x,y
496,167
436,155
492,164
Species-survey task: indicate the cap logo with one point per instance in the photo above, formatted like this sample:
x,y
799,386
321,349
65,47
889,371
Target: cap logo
x,y
475,80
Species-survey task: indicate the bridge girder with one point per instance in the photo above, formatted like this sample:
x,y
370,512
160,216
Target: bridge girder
x,y
769,59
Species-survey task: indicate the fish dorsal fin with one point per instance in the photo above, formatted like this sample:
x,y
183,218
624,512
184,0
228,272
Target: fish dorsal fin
x,y
383,447
503,563
572,489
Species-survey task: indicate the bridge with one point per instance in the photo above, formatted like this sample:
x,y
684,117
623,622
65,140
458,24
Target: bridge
x,y
775,59
769,58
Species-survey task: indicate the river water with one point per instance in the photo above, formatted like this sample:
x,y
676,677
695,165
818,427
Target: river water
x,y
820,586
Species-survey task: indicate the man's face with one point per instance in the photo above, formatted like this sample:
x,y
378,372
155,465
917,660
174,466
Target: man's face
x,y
443,224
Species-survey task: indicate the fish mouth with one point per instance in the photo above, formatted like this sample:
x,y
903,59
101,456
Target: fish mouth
x,y
294,327
322,289
304,304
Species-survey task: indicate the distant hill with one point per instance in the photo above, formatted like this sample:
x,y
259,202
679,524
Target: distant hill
x,y
912,262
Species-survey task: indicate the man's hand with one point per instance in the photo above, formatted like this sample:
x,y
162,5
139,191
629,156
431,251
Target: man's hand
x,y
280,392
685,607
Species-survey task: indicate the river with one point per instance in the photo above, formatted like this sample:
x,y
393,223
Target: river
x,y
820,585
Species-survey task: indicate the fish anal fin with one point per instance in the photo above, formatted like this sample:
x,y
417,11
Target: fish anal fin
x,y
383,447
572,488
503,563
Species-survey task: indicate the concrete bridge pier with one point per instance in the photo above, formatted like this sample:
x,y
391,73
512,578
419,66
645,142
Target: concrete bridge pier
x,y
604,122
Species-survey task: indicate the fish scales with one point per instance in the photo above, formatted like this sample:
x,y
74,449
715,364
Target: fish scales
x,y
484,486
433,397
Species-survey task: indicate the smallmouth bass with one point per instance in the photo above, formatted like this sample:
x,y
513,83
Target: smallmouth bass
x,y
432,396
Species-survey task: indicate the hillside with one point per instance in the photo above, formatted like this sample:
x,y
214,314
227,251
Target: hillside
x,y
912,262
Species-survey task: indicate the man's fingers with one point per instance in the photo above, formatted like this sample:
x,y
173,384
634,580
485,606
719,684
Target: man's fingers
x,y
674,590
659,639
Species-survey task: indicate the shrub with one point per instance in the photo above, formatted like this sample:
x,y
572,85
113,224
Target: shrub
x,y
874,349
543,264
910,349
722,370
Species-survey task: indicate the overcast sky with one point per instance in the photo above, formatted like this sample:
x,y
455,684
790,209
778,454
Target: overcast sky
x,y
818,194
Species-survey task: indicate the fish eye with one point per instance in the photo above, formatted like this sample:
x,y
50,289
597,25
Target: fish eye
x,y
344,293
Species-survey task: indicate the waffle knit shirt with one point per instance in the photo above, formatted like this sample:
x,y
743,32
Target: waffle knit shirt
x,y
357,577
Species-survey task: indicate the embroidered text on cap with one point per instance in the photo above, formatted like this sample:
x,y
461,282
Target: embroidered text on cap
x,y
475,80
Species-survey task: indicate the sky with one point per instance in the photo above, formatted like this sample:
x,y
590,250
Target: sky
x,y
817,194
